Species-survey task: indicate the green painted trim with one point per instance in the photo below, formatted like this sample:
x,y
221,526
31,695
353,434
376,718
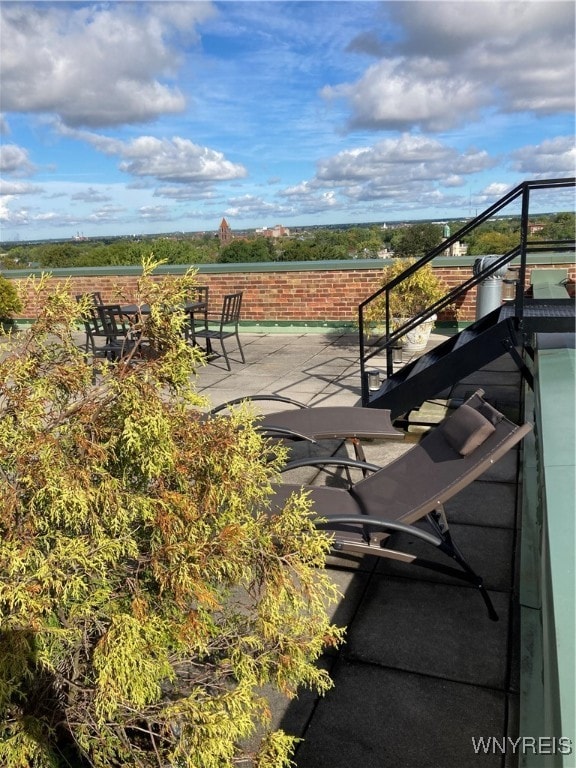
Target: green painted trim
x,y
294,326
531,531
531,688
272,266
548,633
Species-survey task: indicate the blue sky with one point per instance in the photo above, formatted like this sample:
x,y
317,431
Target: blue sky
x,y
146,117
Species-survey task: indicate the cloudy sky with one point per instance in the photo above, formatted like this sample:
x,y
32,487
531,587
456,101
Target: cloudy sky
x,y
146,117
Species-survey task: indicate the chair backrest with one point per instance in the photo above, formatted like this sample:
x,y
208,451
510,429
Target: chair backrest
x,y
93,322
437,468
200,293
231,308
94,296
113,320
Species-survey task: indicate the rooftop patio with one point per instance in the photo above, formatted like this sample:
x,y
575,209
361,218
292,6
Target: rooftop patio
x,y
424,674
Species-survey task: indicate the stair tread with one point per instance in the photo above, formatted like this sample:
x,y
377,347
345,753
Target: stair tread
x,y
410,386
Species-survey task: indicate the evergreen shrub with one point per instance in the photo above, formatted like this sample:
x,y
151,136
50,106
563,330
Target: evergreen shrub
x,y
147,600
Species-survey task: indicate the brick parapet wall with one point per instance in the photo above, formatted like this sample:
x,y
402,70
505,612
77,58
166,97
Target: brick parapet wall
x,y
318,295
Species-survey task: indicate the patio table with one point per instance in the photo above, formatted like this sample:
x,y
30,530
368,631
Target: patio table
x,y
144,309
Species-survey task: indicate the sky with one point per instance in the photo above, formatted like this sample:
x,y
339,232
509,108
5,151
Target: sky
x,y
133,118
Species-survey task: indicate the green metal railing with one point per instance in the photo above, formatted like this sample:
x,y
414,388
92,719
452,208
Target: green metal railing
x,y
386,341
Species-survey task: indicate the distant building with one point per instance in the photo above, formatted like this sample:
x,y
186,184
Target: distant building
x,y
225,233
457,248
277,231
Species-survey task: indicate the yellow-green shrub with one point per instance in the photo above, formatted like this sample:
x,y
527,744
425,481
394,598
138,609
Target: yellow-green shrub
x,y
145,596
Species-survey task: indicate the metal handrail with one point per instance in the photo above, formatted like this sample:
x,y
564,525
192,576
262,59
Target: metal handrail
x,y
386,341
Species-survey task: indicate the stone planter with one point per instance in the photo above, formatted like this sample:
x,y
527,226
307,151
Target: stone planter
x,y
415,341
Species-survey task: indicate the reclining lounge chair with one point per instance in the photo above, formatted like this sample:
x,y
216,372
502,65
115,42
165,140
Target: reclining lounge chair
x,y
321,422
412,488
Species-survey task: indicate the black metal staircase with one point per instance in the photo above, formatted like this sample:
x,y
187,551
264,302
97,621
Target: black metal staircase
x,y
506,329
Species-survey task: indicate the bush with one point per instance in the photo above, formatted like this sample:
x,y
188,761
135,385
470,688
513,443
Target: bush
x,y
414,294
10,303
146,599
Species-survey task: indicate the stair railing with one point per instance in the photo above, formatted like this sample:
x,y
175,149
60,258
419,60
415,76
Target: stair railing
x,y
386,341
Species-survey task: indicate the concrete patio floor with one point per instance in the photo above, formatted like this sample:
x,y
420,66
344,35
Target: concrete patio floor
x,y
423,672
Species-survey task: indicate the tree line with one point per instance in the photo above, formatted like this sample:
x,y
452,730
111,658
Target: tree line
x,y
368,242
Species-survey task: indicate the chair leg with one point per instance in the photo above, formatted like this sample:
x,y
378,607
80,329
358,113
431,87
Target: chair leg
x,y
440,525
240,347
225,355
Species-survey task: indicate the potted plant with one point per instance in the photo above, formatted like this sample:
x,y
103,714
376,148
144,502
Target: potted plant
x,y
413,295
10,304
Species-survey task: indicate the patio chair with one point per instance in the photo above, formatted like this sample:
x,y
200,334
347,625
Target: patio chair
x,y
95,299
412,489
316,423
223,326
199,314
108,332
94,296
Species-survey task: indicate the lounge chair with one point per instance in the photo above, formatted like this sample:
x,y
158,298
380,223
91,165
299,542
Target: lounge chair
x,y
316,423
412,488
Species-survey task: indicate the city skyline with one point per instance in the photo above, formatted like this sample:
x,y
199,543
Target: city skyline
x,y
148,117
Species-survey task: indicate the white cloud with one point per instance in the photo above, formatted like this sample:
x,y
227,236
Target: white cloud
x,y
395,163
90,195
455,59
18,188
254,207
175,160
395,94
185,192
11,217
93,65
14,160
552,156
155,213
495,190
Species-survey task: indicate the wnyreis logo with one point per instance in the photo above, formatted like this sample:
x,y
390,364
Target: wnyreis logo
x,y
524,745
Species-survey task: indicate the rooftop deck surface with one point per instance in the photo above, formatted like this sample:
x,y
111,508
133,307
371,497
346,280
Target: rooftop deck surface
x,y
424,675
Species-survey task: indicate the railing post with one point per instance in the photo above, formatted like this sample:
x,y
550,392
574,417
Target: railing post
x,y
523,248
389,362
363,379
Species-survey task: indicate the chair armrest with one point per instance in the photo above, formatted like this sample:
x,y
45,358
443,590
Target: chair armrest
x,y
254,398
271,431
330,461
381,524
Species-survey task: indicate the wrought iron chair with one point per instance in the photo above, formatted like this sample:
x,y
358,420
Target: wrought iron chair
x,y
197,315
109,334
95,299
223,326
94,296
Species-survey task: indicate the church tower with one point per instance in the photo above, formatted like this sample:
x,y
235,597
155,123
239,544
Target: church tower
x,y
224,233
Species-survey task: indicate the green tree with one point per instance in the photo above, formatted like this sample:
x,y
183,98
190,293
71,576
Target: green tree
x,y
416,240
294,249
243,251
562,226
491,241
146,598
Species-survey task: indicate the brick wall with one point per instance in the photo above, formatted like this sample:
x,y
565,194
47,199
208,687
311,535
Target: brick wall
x,y
314,295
